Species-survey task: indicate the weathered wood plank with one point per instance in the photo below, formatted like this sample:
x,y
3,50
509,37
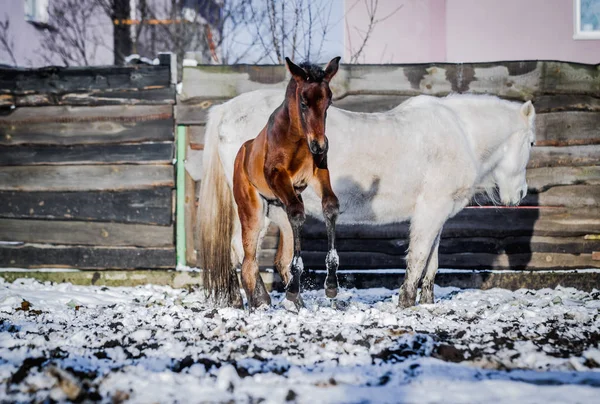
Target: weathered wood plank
x,y
146,206
567,77
517,80
573,196
82,257
70,114
214,81
543,103
515,222
569,156
540,179
87,125
509,245
85,178
521,80
107,132
511,280
63,80
190,219
195,113
194,162
529,261
532,261
476,222
196,135
370,260
7,100
567,128
566,102
144,153
370,103
86,233
145,96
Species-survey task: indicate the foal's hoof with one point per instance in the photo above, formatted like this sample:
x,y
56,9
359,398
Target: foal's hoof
x,y
262,303
294,297
293,302
331,293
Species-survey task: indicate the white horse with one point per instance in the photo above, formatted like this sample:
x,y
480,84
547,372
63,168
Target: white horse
x,y
422,161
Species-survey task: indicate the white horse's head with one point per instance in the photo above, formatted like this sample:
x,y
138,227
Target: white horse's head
x,y
509,174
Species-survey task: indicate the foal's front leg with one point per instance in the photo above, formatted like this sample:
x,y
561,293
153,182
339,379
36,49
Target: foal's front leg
x,y
280,183
331,209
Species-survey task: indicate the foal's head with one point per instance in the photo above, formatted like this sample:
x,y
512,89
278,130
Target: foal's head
x,y
308,98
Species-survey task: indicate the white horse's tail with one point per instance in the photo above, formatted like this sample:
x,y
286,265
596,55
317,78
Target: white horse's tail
x,y
215,220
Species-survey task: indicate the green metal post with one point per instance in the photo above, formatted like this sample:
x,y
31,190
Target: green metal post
x,y
180,192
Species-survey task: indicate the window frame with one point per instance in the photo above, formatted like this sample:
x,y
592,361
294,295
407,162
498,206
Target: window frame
x,y
578,34
39,12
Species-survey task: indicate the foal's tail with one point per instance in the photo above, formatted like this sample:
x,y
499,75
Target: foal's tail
x,y
215,220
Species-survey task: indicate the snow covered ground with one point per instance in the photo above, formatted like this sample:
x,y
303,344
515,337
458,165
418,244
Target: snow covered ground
x,y
158,344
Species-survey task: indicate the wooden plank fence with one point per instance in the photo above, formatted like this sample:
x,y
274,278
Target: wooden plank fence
x,y
86,167
558,225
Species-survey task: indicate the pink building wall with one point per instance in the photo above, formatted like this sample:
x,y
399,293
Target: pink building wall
x,y
513,30
468,31
414,33
28,41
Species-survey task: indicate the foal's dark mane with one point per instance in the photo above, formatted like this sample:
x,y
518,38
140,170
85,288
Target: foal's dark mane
x,y
313,72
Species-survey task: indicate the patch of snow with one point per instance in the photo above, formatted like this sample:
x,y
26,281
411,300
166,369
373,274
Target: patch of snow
x,y
185,268
159,344
39,270
190,63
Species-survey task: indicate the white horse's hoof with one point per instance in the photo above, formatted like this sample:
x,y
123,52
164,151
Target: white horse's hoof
x,y
331,293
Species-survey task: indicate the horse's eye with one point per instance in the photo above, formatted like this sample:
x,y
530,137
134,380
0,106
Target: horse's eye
x,y
532,143
303,106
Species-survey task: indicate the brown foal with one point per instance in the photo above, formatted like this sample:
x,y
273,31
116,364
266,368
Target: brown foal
x,y
273,169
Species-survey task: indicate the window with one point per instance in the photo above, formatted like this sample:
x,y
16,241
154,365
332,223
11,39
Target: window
x,y
36,11
586,21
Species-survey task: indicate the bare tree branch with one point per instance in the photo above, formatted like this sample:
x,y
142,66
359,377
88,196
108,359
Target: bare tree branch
x,y
220,31
72,34
371,6
7,42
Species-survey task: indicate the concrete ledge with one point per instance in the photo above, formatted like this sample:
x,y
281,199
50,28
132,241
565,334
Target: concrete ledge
x,y
584,280
175,279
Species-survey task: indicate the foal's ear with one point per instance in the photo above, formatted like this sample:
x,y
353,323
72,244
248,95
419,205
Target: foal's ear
x,y
296,71
332,68
527,109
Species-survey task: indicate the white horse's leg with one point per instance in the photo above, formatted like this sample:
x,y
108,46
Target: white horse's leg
x,y
426,224
430,271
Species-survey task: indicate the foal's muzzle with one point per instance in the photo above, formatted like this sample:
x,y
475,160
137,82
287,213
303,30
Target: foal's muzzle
x,y
316,148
